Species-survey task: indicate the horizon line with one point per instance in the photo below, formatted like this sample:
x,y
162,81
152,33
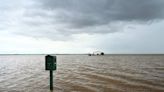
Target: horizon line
x,y
67,53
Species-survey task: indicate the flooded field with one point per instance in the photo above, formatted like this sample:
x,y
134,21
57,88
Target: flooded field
x,y
82,73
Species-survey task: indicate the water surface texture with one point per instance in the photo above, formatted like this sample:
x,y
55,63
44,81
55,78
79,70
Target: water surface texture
x,y
82,73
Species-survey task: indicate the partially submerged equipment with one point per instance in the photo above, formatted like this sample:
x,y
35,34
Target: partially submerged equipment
x,y
96,53
50,64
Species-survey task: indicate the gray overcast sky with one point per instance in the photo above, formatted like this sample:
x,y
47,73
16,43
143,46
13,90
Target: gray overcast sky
x,y
81,26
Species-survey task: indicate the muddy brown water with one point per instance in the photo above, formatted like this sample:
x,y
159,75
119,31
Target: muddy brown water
x,y
82,73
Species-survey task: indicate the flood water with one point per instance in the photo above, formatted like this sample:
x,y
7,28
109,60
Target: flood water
x,y
82,73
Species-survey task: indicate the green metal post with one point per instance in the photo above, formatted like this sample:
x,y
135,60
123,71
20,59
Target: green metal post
x,y
51,80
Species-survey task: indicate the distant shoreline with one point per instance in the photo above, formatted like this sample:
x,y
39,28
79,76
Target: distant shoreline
x,y
81,54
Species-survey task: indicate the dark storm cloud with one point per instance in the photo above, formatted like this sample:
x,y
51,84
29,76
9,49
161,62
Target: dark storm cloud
x,y
84,24
57,19
84,13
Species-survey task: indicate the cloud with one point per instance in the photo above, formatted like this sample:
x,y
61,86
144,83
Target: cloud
x,y
81,26
146,39
61,19
86,13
